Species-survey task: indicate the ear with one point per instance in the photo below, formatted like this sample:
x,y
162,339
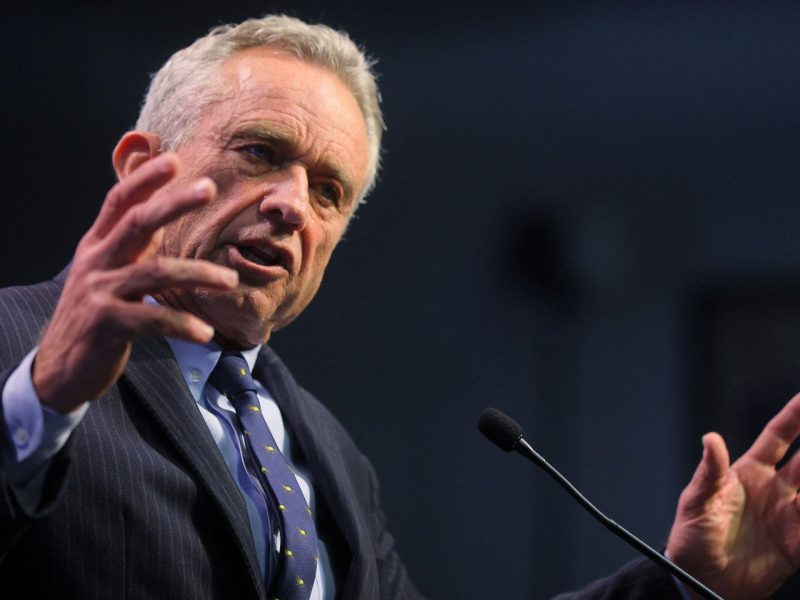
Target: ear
x,y
133,150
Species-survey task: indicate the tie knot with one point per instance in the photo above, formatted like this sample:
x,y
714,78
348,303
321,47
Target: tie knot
x,y
232,376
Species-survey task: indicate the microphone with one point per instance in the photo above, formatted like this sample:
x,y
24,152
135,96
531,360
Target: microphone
x,y
506,433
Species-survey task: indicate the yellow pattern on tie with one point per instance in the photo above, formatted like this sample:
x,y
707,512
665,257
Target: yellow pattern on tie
x,y
296,568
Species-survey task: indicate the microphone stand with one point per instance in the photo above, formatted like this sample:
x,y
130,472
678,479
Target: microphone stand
x,y
525,449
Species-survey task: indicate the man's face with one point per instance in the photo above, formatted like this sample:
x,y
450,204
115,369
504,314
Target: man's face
x,y
287,148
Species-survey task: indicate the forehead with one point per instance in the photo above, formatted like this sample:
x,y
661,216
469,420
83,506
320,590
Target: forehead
x,y
306,106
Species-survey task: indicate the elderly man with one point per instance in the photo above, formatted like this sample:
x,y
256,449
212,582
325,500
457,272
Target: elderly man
x,y
154,447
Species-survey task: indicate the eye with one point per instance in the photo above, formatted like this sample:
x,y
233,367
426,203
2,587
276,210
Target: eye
x,y
331,192
259,153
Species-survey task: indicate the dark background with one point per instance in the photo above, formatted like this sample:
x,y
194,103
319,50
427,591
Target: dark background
x,y
587,218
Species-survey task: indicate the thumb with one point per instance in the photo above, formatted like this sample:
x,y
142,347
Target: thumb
x,y
710,475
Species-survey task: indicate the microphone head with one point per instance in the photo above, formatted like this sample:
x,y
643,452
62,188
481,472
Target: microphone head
x,y
501,429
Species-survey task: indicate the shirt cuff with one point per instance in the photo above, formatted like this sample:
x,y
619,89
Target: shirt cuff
x,y
37,433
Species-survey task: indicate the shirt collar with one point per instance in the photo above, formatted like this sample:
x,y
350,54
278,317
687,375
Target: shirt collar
x,y
196,361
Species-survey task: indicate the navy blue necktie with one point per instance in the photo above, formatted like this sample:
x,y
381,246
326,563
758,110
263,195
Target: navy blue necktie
x,y
299,558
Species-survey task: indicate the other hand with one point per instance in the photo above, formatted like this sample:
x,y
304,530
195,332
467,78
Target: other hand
x,y
737,527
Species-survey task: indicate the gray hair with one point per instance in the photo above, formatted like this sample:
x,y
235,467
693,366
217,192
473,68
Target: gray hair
x,y
190,81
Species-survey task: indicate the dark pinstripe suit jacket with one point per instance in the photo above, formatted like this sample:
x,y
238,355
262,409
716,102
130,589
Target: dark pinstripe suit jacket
x,y
140,504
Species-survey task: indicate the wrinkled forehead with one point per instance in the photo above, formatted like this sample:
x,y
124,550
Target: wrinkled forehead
x,y
264,73
299,98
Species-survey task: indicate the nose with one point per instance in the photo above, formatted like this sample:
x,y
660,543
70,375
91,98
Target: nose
x,y
287,197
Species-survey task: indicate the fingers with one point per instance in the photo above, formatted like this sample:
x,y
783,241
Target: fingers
x,y
790,472
134,281
131,215
773,442
142,319
710,475
136,188
100,312
137,227
122,286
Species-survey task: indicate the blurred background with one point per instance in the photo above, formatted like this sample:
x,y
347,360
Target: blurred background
x,y
587,218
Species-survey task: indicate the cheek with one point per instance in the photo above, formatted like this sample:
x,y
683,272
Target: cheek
x,y
320,250
316,273
226,180
186,234
174,237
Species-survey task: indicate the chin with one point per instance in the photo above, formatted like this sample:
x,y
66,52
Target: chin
x,y
240,318
237,330
238,341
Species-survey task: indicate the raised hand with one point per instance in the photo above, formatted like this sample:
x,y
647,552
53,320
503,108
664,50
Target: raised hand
x,y
737,527
87,344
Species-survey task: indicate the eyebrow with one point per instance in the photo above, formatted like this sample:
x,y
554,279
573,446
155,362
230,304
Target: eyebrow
x,y
283,142
261,134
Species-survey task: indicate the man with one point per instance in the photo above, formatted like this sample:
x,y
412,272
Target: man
x,y
254,148
131,465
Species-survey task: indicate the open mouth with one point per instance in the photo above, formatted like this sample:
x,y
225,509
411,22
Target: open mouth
x,y
266,257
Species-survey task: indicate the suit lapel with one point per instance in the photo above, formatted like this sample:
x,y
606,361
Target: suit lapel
x,y
156,379
321,453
